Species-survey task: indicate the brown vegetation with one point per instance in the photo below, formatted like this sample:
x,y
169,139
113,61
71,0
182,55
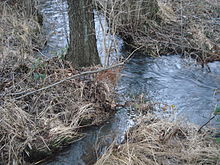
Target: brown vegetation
x,y
159,142
36,125
39,124
188,27
33,126
20,36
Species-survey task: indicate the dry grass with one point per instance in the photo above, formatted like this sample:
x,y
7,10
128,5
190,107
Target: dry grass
x,y
189,27
161,142
36,126
40,124
20,35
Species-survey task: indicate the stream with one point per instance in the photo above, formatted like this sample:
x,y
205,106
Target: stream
x,y
170,80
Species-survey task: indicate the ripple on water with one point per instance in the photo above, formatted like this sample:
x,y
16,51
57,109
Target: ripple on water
x,y
167,79
176,81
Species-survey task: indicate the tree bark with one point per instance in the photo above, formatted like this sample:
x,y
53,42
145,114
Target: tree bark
x,y
82,51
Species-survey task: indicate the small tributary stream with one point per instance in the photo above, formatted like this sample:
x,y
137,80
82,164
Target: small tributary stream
x,y
170,80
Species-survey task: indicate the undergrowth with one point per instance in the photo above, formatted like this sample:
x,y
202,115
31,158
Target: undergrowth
x,y
34,126
159,27
160,141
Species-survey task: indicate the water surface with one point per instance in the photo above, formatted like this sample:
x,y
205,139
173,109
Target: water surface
x,y
169,80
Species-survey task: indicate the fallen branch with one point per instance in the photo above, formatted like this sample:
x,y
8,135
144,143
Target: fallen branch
x,y
68,78
26,93
199,130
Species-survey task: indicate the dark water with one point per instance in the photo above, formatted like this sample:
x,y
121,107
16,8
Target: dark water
x,y
175,81
170,80
56,28
55,25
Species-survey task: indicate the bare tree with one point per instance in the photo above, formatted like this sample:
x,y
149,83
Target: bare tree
x,y
82,51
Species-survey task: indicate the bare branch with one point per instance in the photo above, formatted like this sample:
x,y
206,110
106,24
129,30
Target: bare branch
x,y
199,130
68,78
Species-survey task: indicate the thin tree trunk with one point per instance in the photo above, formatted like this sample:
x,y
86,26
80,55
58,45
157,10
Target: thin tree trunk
x,y
82,50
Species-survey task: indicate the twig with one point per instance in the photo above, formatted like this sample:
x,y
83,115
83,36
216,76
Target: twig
x,y
199,130
69,78
14,94
132,53
26,93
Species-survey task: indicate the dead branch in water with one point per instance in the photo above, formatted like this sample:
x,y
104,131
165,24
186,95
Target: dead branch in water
x,y
199,130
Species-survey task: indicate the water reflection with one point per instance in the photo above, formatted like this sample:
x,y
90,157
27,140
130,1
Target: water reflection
x,y
175,81
170,80
56,28
55,25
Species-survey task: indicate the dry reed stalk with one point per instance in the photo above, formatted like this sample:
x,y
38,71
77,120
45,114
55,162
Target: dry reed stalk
x,y
188,27
56,114
20,35
35,126
156,141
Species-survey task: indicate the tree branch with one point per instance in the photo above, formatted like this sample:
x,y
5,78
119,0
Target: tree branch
x,y
68,78
199,130
26,93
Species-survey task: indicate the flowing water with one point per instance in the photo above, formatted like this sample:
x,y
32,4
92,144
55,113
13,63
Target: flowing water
x,y
170,80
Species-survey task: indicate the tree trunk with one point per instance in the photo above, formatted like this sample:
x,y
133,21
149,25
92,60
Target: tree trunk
x,y
82,51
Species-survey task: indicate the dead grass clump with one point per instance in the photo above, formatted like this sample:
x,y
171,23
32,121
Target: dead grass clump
x,y
189,27
156,141
35,126
20,35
